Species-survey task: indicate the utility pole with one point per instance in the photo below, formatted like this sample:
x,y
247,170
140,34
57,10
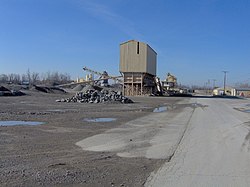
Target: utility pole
x,y
214,83
225,77
208,86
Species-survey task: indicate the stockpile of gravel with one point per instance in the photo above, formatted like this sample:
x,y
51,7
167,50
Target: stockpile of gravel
x,y
46,89
6,92
3,89
78,88
87,88
96,96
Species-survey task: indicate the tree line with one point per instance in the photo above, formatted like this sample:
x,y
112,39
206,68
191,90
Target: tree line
x,y
33,78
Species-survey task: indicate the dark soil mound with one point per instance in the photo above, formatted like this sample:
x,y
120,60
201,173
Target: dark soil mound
x,y
3,89
46,89
18,93
57,90
78,88
5,92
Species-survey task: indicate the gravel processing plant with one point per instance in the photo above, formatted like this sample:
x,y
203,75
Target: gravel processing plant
x,y
134,132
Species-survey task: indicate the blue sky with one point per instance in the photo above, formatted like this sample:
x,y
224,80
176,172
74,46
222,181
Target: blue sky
x,y
195,39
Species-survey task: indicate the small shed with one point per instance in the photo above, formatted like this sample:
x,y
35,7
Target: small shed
x,y
229,91
243,92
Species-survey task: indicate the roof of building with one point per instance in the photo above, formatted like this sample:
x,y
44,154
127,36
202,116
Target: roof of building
x,y
222,88
242,89
140,42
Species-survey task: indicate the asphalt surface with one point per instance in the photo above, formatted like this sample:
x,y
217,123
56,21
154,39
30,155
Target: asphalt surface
x,y
215,149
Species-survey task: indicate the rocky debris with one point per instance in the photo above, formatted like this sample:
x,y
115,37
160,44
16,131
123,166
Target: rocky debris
x,y
6,92
90,87
2,88
17,93
96,96
78,88
46,89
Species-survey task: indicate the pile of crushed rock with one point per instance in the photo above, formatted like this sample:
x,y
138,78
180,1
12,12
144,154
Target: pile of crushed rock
x,y
92,95
6,92
46,89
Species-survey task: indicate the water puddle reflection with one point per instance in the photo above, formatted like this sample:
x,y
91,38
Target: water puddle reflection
x,y
160,109
96,120
13,123
56,110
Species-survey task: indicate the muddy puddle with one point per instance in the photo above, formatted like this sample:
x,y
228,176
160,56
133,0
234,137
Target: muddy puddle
x,y
160,109
247,110
61,110
14,123
56,110
25,102
98,120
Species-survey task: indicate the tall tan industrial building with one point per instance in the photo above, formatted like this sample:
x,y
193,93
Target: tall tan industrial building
x,y
138,66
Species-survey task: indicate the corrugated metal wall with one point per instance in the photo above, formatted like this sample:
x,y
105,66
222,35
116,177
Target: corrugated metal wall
x,y
137,57
151,61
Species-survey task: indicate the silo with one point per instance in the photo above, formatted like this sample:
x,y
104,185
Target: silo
x,y
138,66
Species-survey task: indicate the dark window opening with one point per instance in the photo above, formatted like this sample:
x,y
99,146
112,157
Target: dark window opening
x,y
138,48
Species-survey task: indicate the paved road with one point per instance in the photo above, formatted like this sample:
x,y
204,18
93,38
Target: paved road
x,y
215,148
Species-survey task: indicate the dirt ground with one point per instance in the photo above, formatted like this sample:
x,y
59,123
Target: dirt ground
x,y
46,155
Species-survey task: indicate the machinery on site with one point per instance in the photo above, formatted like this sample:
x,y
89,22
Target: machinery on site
x,y
170,87
170,84
104,76
138,73
102,80
167,87
159,89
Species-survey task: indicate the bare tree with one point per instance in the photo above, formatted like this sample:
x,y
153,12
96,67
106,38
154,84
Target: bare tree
x,y
34,78
65,78
54,78
47,78
29,76
16,79
24,78
11,78
242,85
3,78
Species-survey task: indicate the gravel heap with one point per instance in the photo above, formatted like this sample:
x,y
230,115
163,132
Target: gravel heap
x,y
46,89
6,92
3,89
78,88
95,96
